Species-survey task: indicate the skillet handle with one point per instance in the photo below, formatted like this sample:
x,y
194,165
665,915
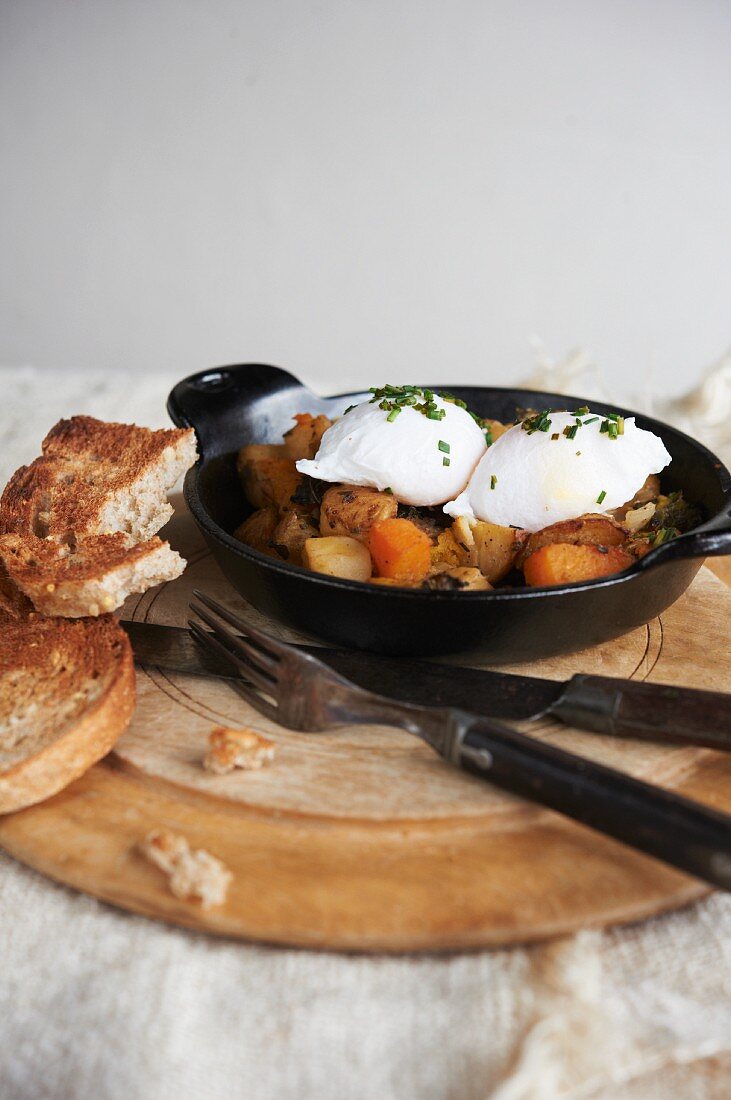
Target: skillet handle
x,y
213,402
710,542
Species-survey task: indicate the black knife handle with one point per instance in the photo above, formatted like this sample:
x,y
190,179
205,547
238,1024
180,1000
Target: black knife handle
x,y
685,834
650,712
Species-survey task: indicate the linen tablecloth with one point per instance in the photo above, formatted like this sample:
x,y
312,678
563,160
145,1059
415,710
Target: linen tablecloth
x,y
95,1003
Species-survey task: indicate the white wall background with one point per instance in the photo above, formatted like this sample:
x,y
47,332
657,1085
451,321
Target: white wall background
x,y
362,189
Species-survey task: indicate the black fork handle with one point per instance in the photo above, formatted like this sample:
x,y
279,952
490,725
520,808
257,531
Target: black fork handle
x,y
663,824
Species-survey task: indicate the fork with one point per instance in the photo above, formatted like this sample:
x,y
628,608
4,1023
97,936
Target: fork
x,y
297,691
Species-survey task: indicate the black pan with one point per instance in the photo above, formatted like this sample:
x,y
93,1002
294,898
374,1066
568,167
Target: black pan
x,y
253,403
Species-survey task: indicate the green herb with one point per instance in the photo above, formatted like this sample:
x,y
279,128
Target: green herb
x,y
443,446
349,409
583,411
620,425
388,490
591,420
493,481
539,423
446,461
393,414
600,498
612,430
488,436
571,430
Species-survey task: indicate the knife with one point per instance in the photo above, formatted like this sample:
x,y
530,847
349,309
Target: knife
x,y
602,704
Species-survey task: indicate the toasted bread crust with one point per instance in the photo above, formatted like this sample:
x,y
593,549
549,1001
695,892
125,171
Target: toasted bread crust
x,y
67,693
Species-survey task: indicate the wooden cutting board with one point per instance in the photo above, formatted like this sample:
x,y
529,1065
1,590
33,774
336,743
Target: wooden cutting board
x,y
363,839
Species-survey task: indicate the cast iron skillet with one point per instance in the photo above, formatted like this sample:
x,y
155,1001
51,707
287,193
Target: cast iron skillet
x,y
254,403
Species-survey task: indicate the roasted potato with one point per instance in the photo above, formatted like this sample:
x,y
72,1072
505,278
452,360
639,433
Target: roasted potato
x,y
568,563
496,548
649,491
257,530
464,578
338,556
303,440
267,474
588,530
497,428
291,532
447,551
353,509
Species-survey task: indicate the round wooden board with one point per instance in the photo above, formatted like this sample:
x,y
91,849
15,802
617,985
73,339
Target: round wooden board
x,y
363,839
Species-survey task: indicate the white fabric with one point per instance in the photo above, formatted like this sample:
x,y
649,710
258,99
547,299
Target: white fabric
x,y
98,1005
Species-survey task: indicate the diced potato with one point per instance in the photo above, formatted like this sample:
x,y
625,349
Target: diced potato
x,y
497,548
446,551
267,474
303,440
497,428
353,509
568,563
291,533
257,530
648,492
338,556
465,578
592,530
462,529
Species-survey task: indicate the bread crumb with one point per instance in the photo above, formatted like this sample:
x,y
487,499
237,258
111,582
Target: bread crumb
x,y
191,874
229,749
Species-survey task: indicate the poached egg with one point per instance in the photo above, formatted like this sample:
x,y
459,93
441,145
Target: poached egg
x,y
533,478
422,460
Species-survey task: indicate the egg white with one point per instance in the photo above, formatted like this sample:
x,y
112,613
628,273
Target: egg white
x,y
530,480
364,448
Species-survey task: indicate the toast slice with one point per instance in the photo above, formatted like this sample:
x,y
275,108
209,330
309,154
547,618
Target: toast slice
x,y
67,693
97,478
77,525
90,577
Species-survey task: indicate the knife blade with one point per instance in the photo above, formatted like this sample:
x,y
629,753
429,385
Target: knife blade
x,y
601,704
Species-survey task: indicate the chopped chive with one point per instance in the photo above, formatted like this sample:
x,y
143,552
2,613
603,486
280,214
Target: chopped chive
x,y
488,436
443,446
555,436
583,411
612,416
388,490
446,461
349,409
393,414
570,431
601,496
620,425
591,420
612,430
578,453
604,426
493,481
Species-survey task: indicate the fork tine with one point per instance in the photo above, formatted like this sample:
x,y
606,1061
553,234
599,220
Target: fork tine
x,y
213,641
271,646
258,656
239,645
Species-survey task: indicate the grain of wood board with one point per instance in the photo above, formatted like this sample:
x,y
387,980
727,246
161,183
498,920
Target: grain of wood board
x,y
363,839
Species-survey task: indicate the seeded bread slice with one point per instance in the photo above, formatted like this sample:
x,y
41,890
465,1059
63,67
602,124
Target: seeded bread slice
x,y
67,693
77,526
